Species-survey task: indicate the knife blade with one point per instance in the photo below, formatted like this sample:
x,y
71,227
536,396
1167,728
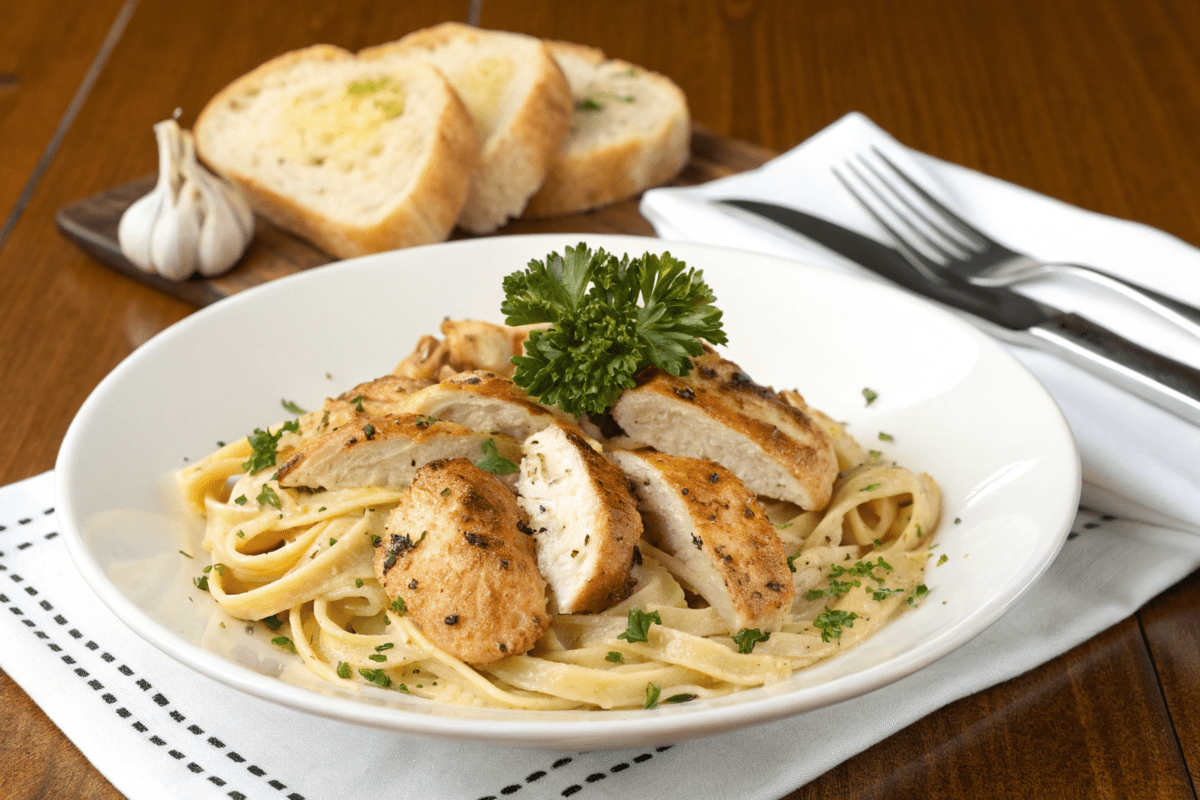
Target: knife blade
x,y
1170,384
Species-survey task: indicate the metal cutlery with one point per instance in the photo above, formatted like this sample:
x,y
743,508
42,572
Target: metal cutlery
x,y
1165,382
970,253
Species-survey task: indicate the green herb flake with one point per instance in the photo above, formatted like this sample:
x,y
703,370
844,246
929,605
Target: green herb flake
x,y
292,408
587,104
882,593
201,583
652,693
792,562
384,646
918,594
638,629
358,583
390,108
284,642
874,454
943,559
343,670
615,657
189,555
357,402
446,491
268,497
830,623
264,447
377,657
680,698
747,638
870,487
273,622
870,395
493,462
885,437
377,677
399,606
610,318
240,499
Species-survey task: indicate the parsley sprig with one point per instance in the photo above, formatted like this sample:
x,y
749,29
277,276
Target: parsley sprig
x,y
610,318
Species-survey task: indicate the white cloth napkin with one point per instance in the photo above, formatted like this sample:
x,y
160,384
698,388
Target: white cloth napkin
x,y
158,730
1138,461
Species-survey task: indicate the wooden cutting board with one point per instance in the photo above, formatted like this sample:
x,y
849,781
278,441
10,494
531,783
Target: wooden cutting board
x,y
92,223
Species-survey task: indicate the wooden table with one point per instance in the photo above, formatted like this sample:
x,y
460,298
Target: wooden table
x,y
1096,102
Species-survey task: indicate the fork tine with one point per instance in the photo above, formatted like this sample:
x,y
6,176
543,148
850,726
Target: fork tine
x,y
943,252
924,265
971,232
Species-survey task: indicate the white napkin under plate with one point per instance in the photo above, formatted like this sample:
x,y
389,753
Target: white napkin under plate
x,y
157,730
1138,461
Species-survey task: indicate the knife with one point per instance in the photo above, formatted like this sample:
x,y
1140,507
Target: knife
x,y
1167,383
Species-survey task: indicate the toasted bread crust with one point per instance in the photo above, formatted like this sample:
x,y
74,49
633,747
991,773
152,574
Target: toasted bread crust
x,y
515,156
625,162
424,213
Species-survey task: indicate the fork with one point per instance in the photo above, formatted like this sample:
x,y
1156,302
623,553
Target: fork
x,y
971,254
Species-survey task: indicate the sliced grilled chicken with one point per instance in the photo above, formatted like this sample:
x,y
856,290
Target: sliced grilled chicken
x,y
702,515
454,551
485,401
585,522
717,412
381,397
384,451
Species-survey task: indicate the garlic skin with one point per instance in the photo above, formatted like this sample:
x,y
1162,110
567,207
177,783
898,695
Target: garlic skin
x,y
192,221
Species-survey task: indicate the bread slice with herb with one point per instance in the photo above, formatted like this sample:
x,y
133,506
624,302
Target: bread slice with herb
x,y
356,155
630,130
520,102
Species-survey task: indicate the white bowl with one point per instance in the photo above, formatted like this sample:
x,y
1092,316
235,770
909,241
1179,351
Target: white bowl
x,y
956,405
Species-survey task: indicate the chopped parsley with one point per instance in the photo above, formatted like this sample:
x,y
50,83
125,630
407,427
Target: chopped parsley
x,y
943,559
836,589
885,437
189,555
369,432
862,569
615,657
377,657
377,677
652,693
830,623
267,496
870,487
918,594
292,408
493,462
869,395
357,402
792,562
680,698
240,499
384,646
399,606
343,670
639,625
201,583
273,622
747,638
264,447
610,318
284,642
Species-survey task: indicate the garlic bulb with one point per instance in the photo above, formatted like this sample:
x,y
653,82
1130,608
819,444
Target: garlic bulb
x,y
191,222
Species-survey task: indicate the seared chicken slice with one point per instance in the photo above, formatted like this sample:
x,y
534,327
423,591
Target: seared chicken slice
x,y
585,522
381,397
702,515
485,401
384,451
716,412
454,551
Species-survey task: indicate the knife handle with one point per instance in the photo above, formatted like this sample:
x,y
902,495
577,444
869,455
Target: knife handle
x,y
1165,382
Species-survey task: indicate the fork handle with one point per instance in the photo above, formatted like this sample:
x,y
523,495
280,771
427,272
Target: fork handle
x,y
1182,314
1165,382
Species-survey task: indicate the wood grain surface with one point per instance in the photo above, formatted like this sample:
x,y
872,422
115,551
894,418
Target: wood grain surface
x,y
1095,102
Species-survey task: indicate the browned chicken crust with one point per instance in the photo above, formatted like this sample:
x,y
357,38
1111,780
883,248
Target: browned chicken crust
x,y
717,412
454,551
700,512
